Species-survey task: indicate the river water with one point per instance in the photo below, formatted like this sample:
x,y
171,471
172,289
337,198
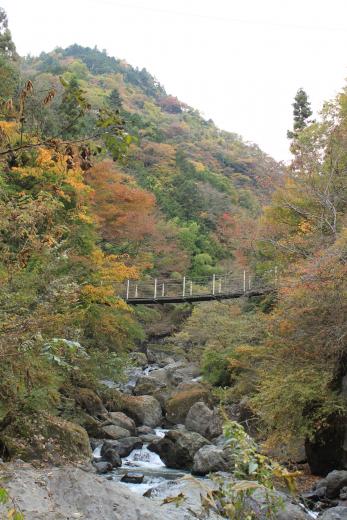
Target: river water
x,y
145,462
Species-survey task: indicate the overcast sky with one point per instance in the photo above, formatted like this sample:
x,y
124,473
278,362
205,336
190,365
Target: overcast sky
x,y
239,62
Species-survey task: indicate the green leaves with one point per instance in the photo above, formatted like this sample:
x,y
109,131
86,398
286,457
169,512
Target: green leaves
x,y
4,496
13,513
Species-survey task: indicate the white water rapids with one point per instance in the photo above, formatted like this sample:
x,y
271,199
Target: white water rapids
x,y
146,462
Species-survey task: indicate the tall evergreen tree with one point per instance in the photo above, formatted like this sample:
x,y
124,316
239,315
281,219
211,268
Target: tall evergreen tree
x,y
301,112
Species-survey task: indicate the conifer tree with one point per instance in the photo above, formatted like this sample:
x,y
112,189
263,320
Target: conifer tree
x,y
301,112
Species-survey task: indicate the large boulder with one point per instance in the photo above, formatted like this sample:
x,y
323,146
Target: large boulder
x,y
123,446
127,445
199,419
89,401
210,459
163,354
122,420
178,406
325,452
43,437
183,372
71,493
113,399
113,457
144,409
177,448
111,431
333,483
92,426
103,467
147,385
139,358
335,513
196,497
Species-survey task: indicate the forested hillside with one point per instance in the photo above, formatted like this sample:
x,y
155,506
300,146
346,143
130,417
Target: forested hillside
x,y
203,179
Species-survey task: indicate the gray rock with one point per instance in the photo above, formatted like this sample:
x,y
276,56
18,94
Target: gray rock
x,y
177,448
144,430
148,438
127,445
198,419
147,385
335,513
112,456
139,358
111,431
210,459
122,420
183,373
62,493
123,446
160,356
103,467
335,481
215,428
161,375
194,490
144,409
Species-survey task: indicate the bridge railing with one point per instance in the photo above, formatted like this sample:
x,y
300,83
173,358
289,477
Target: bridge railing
x,y
216,284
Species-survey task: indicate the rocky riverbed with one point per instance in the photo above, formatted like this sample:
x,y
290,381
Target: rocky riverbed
x,y
148,437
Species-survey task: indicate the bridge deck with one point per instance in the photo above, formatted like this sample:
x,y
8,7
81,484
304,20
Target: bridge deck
x,y
198,297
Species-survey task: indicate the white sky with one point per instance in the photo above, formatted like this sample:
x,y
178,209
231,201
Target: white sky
x,y
238,62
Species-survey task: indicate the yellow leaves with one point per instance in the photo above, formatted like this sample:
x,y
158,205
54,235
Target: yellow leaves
x,y
305,227
44,157
289,477
111,268
84,217
177,500
101,294
8,131
104,295
198,166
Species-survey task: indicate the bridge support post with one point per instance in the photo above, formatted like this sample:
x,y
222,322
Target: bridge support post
x,y
244,281
249,282
155,288
191,288
163,290
220,286
184,287
136,292
213,284
128,289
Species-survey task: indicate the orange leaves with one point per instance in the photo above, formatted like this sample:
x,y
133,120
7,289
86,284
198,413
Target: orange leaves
x,y
122,210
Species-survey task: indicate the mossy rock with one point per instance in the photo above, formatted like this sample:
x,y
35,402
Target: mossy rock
x,y
112,398
178,406
89,401
92,426
164,354
43,437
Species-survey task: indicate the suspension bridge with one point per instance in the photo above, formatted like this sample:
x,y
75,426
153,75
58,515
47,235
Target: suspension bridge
x,y
215,287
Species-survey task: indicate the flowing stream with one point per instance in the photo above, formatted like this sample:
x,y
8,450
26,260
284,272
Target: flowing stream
x,y
145,462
